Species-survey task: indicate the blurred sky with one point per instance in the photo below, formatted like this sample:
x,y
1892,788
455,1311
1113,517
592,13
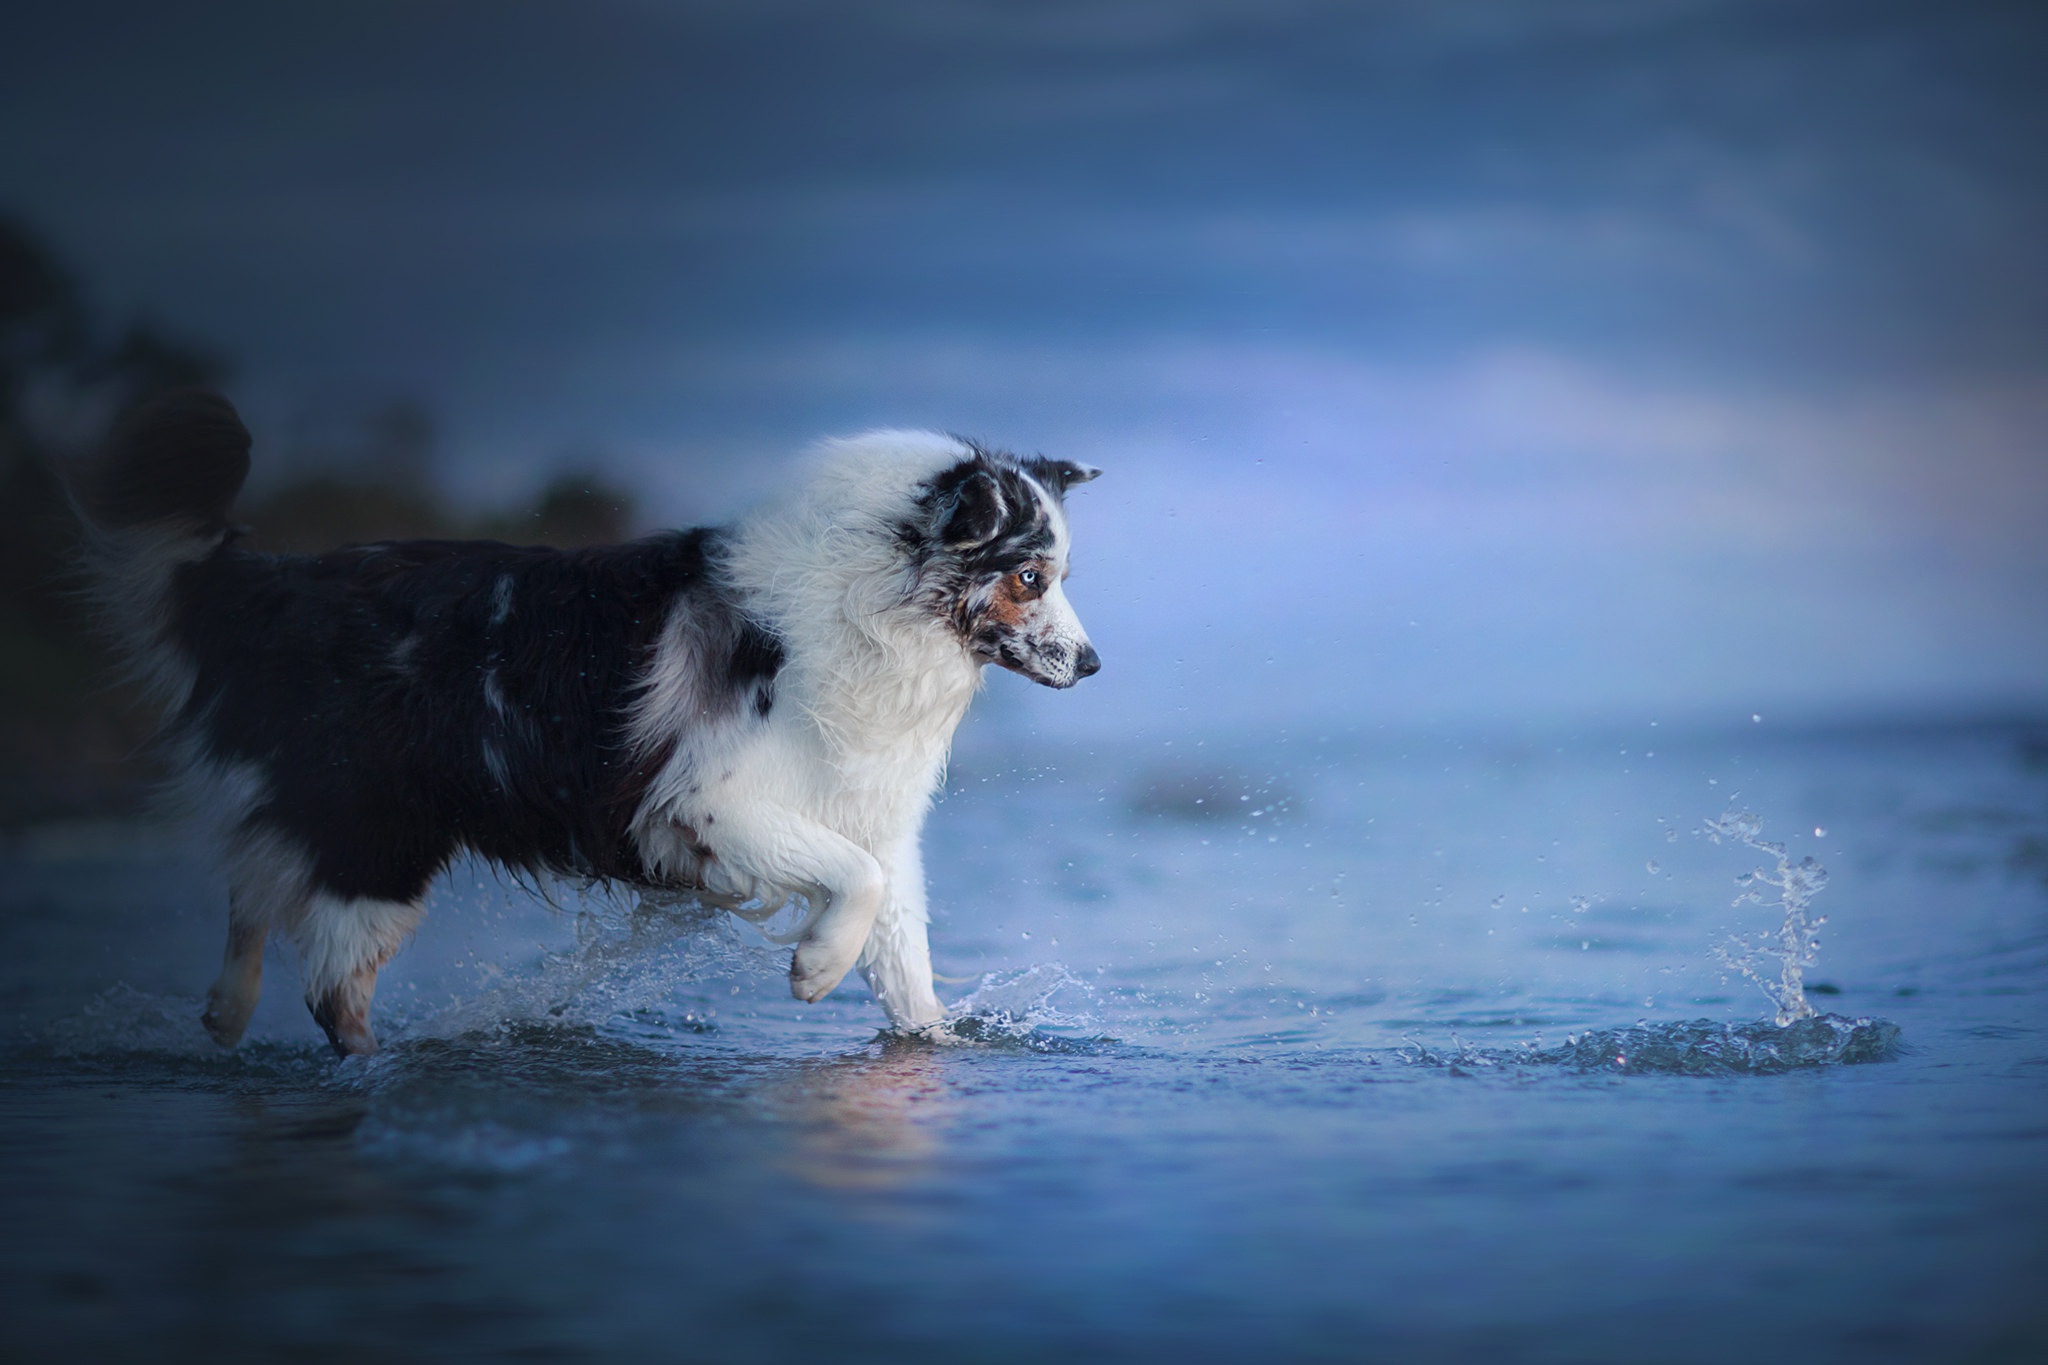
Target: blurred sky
x,y
1452,363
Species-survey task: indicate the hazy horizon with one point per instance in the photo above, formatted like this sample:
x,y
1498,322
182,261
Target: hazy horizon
x,y
1471,365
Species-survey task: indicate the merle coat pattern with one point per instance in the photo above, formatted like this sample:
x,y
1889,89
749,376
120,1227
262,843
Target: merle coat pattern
x,y
751,713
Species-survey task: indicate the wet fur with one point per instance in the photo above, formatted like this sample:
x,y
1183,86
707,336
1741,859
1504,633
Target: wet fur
x,y
751,713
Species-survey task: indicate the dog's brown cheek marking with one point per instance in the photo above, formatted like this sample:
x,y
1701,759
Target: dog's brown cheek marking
x,y
988,614
1008,609
1013,605
1007,612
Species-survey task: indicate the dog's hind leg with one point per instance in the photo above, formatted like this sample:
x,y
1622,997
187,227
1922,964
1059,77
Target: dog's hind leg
x,y
342,1010
346,943
266,888
232,998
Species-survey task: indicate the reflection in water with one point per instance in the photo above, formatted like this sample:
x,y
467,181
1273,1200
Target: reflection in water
x,y
622,1142
865,1123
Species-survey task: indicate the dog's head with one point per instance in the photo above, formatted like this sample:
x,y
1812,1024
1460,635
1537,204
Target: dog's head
x,y
988,540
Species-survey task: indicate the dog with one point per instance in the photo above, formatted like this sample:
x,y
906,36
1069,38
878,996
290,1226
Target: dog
x,y
756,714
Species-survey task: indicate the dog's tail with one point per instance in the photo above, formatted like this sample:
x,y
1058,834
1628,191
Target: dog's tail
x,y
156,500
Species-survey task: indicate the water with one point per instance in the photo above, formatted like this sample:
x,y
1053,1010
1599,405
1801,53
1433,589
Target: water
x,y
1796,944
1310,1049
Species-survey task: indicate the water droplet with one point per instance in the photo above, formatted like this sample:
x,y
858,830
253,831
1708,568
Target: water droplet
x,y
1819,833
1581,904
1652,868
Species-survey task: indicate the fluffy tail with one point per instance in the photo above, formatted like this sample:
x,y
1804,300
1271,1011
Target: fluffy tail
x,y
157,499
179,458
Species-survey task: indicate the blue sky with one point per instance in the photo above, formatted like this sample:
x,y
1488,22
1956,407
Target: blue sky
x,y
1452,363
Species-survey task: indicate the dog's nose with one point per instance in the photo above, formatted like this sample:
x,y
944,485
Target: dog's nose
x,y
1089,663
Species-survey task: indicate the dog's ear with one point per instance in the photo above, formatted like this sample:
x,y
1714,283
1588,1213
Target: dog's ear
x,y
970,508
1059,475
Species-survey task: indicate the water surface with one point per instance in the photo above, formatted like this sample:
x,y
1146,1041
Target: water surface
x,y
1314,1048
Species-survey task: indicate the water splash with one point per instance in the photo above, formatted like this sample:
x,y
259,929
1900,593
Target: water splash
x,y
629,962
123,1031
1796,943
122,1019
1696,1047
1025,1006
1703,1047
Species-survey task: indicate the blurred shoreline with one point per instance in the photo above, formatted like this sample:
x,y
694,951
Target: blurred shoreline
x,y
74,739
55,814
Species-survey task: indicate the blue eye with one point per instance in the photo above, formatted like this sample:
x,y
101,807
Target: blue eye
x,y
1028,577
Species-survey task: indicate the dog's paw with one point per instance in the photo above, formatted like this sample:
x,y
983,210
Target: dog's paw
x,y
227,1015
346,1023
941,1033
816,969
352,1038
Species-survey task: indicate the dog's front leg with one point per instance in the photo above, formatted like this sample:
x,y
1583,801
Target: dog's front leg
x,y
780,848
897,962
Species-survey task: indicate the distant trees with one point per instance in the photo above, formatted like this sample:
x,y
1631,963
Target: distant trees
x,y
367,472
71,742
67,738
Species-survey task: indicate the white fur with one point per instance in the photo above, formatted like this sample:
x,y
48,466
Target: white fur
x,y
132,568
270,887
336,937
826,799
823,799
1057,624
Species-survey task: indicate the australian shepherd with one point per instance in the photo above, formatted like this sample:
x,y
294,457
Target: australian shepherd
x,y
750,714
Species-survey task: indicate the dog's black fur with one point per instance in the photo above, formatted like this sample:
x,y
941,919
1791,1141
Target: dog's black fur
x,y
357,718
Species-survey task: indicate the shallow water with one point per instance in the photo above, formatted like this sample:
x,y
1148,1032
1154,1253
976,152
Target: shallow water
x,y
1309,1049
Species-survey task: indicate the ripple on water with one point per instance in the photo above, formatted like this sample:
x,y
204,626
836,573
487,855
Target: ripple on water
x,y
1696,1047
